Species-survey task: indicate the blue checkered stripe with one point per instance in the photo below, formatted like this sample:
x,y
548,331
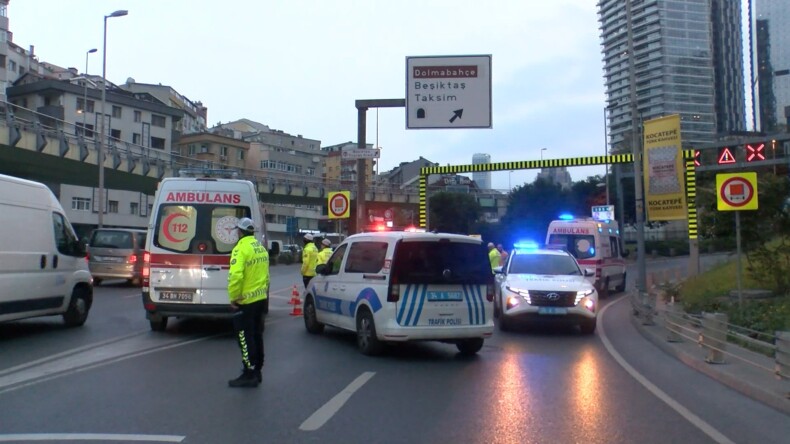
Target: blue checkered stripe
x,y
347,308
414,298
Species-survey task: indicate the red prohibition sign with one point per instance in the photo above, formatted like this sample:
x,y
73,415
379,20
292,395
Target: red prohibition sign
x,y
338,205
748,191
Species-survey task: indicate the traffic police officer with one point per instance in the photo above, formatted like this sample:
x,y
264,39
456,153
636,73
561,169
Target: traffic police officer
x,y
248,289
326,251
309,259
493,256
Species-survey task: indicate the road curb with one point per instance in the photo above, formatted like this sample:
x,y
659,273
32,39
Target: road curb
x,y
715,371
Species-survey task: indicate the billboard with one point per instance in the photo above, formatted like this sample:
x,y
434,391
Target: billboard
x,y
663,174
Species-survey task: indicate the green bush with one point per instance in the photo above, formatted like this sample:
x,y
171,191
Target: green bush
x,y
676,247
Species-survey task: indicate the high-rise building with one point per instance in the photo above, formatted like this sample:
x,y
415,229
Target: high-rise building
x,y
482,179
772,56
678,48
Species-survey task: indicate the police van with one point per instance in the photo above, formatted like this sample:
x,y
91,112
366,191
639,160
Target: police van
x,y
595,244
404,286
191,234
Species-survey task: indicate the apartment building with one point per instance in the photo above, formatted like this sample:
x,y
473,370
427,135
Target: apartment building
x,y
195,113
341,170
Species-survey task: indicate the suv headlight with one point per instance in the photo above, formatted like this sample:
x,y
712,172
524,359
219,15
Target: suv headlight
x,y
581,294
521,292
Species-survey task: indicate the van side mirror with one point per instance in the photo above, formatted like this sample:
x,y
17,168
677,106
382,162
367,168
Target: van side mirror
x,y
625,253
589,272
322,269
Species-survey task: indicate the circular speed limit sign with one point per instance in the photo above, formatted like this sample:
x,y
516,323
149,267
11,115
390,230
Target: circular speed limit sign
x,y
339,205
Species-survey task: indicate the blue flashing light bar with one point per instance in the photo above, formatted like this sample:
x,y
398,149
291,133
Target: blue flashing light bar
x,y
566,216
526,245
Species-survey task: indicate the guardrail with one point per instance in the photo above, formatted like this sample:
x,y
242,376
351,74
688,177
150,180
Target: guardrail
x,y
720,340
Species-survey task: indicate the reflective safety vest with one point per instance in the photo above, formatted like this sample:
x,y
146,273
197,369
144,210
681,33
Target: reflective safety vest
x,y
323,255
248,278
309,259
494,258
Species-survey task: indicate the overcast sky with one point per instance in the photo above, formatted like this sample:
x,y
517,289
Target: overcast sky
x,y
299,65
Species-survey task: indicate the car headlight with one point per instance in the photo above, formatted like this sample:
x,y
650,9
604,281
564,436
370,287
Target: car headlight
x,y
581,294
524,293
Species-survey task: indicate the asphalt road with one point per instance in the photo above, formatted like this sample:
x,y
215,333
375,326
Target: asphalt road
x,y
113,380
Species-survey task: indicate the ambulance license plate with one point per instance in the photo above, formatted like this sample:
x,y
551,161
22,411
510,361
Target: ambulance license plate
x,y
176,296
552,311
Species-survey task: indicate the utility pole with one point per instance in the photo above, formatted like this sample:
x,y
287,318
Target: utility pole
x,y
637,154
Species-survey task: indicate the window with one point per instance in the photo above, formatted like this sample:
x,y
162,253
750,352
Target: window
x,y
192,150
87,130
204,148
138,116
116,111
12,65
80,203
133,208
241,154
366,257
113,207
614,247
137,139
81,105
336,259
178,225
65,238
157,142
223,150
115,134
157,120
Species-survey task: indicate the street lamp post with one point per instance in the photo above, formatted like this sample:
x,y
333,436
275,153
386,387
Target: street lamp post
x,y
509,187
541,153
85,94
100,194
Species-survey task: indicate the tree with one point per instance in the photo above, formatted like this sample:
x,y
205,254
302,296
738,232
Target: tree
x,y
453,212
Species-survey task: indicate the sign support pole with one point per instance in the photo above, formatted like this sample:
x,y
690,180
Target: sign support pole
x,y
738,250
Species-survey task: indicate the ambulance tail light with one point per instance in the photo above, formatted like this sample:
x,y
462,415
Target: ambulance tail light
x,y
393,295
146,268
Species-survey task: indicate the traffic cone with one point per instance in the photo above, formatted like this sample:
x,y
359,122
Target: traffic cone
x,y
295,297
297,302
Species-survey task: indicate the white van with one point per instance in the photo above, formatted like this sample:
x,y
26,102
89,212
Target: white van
x,y
191,234
43,270
595,244
403,286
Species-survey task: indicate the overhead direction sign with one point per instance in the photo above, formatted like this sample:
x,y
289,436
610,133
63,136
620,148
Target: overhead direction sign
x,y
448,92
361,154
736,191
339,203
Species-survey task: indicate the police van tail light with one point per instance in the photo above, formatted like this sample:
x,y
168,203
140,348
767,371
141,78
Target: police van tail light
x,y
490,293
146,268
393,295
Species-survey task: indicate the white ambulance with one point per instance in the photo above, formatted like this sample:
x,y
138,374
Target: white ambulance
x,y
596,244
191,234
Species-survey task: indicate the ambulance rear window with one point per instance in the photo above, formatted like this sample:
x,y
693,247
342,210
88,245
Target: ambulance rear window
x,y
581,246
198,229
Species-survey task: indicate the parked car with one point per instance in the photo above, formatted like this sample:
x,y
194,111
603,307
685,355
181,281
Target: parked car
x,y
296,251
544,286
116,253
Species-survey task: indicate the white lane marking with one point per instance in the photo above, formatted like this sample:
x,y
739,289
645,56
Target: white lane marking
x,y
657,392
322,415
69,352
89,437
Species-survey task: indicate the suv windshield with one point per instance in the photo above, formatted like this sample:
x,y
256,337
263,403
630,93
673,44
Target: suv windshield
x,y
546,264
431,262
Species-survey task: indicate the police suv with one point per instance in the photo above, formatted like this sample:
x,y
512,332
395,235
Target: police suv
x,y
540,286
404,286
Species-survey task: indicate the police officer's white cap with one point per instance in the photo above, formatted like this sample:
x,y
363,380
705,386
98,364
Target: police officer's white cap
x,y
326,242
308,237
246,224
490,245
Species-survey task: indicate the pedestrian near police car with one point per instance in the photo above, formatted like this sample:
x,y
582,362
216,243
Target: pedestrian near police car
x,y
309,259
248,291
493,256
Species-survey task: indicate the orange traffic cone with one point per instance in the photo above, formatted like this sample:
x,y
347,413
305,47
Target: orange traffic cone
x,y
295,297
297,303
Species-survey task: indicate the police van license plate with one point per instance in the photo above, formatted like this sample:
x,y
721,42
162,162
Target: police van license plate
x,y
445,296
552,311
176,296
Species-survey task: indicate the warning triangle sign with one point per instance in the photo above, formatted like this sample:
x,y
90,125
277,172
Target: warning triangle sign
x,y
725,156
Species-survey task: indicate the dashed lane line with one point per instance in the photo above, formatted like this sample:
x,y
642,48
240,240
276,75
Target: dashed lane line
x,y
695,420
325,413
55,437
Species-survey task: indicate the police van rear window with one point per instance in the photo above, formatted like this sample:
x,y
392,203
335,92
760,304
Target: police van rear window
x,y
441,263
198,229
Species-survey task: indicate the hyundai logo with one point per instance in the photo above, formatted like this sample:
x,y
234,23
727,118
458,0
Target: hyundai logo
x,y
553,296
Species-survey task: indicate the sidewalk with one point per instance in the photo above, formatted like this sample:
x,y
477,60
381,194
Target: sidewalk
x,y
747,372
